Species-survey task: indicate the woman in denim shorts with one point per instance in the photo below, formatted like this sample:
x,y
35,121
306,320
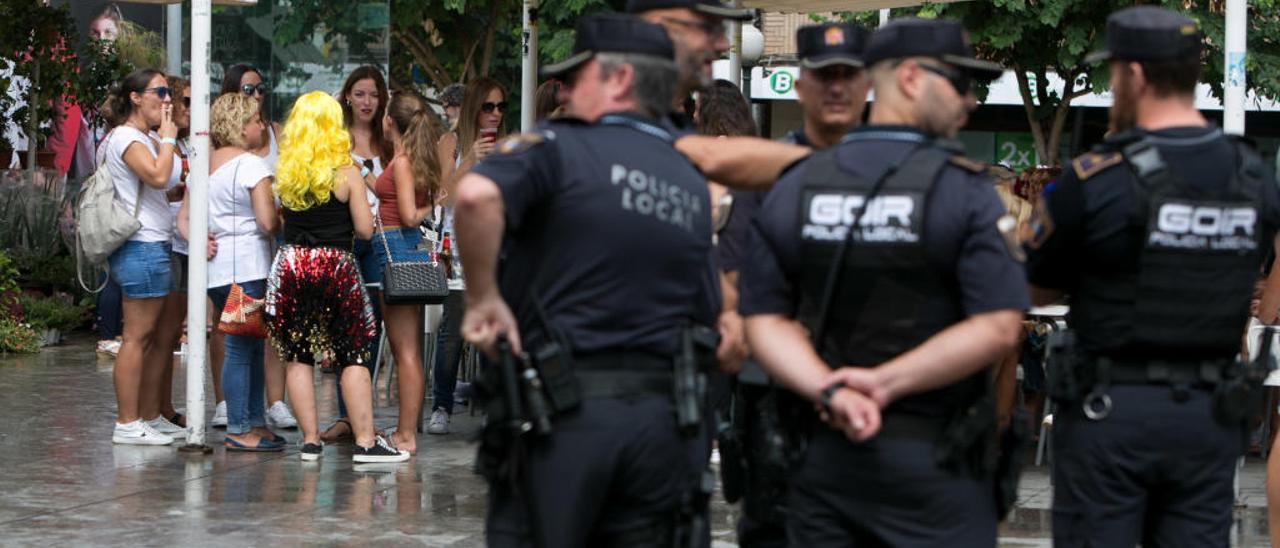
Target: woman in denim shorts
x,y
407,192
141,167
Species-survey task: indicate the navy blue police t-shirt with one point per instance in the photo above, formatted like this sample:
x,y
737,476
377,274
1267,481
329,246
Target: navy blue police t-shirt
x,y
961,238
610,228
1084,227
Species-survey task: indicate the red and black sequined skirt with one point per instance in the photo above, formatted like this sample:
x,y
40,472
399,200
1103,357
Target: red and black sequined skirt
x,y
317,303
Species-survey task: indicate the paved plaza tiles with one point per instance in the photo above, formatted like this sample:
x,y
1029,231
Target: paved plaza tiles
x,y
62,482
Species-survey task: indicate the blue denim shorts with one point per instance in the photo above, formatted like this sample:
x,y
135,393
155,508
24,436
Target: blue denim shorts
x,y
142,269
403,243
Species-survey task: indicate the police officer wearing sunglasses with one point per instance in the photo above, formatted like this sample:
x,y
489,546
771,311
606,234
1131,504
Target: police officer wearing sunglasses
x,y
606,294
889,327
1158,236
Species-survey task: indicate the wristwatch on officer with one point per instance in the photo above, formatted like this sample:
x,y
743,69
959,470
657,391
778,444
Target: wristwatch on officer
x,y
829,392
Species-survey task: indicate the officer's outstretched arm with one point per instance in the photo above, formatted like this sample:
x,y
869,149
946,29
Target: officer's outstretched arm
x,y
479,223
781,345
951,355
740,162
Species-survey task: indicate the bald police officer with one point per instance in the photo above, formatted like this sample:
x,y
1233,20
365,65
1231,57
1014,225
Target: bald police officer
x,y
606,234
1157,236
832,91
908,308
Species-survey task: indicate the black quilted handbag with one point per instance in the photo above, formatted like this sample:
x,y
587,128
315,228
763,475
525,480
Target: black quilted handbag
x,y
411,282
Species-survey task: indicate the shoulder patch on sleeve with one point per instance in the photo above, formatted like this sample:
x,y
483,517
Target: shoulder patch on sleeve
x,y
968,164
1094,163
520,142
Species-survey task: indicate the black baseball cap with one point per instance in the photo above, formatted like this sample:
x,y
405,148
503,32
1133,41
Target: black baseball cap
x,y
1148,33
613,33
706,7
829,44
939,38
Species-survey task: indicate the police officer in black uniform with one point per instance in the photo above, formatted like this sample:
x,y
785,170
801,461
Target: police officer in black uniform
x,y
605,231
908,312
1157,236
832,91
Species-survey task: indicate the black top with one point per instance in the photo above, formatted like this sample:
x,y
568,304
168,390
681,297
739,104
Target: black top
x,y
611,228
1149,33
961,238
1083,227
325,225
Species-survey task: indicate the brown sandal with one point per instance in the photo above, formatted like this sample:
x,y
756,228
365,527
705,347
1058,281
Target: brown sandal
x,y
331,437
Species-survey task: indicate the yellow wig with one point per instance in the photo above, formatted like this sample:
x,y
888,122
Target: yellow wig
x,y
314,145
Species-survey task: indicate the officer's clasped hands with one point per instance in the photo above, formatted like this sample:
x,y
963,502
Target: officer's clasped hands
x,y
851,412
733,345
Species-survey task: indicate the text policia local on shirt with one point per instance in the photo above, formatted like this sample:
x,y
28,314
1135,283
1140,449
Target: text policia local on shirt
x,y
648,195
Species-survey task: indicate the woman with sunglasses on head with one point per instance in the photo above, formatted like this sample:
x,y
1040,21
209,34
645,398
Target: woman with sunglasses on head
x,y
407,193
141,168
364,100
316,300
246,80
478,130
242,216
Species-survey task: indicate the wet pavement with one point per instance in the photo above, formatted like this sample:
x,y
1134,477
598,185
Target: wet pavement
x,y
63,483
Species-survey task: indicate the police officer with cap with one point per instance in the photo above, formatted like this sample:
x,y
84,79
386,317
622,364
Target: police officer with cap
x,y
605,234
832,91
908,309
1157,235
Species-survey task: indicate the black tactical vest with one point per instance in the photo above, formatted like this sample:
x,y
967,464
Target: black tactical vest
x,y
1198,259
887,299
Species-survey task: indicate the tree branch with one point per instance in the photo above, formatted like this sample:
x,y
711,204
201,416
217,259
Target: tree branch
x,y
1069,92
494,14
424,54
1028,105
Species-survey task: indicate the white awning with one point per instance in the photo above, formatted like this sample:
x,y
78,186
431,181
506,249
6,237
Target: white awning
x,y
824,6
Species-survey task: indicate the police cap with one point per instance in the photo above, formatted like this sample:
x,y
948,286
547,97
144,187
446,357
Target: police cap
x,y
938,38
1148,33
706,7
613,33
829,44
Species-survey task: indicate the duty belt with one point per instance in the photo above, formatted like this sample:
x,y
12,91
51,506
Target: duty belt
x,y
620,374
1165,372
911,426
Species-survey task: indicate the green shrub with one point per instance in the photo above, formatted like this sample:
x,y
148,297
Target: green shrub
x,y
18,338
52,313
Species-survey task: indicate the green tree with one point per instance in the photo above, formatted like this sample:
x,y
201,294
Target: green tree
x,y
1035,38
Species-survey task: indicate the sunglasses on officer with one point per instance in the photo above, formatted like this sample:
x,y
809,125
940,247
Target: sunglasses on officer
x,y
161,92
250,89
488,108
958,79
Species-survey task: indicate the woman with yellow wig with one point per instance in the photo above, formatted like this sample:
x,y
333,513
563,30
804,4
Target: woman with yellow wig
x,y
316,301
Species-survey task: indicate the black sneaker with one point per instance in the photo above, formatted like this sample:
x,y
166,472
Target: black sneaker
x,y
311,451
381,451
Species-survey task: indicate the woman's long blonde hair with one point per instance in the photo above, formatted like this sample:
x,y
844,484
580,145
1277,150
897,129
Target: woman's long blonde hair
x,y
313,146
418,133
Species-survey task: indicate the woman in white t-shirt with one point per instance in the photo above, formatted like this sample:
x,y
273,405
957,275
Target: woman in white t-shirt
x,y
140,167
242,217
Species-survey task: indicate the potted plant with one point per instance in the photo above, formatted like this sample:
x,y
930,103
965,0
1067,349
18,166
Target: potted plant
x,y
52,316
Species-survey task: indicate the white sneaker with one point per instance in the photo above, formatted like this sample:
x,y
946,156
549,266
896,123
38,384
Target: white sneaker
x,y
139,433
163,426
280,416
220,415
439,422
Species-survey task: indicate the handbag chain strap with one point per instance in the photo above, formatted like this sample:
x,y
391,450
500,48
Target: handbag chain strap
x,y
382,233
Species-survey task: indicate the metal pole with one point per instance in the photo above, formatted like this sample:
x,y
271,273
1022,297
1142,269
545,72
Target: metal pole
x,y
529,65
198,196
173,39
884,16
1233,94
735,49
